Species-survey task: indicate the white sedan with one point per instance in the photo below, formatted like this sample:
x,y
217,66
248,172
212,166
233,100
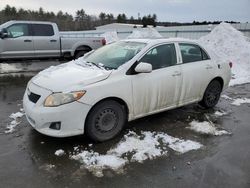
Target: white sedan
x,y
129,79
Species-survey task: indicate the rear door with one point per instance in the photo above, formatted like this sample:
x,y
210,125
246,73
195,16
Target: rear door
x,y
19,43
46,42
197,70
160,88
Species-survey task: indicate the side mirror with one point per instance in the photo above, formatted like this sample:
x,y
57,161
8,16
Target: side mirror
x,y
3,33
143,68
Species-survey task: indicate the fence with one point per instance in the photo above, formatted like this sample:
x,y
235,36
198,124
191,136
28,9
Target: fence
x,y
191,32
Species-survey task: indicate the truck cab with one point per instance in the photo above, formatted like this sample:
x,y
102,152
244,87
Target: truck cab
x,y
26,39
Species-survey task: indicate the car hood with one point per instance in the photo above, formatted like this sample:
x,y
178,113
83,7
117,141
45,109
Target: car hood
x,y
69,77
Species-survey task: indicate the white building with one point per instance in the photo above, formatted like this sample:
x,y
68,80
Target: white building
x,y
120,27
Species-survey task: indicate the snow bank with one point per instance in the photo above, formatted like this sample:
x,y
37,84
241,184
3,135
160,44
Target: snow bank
x,y
133,148
15,121
206,127
144,33
110,36
230,44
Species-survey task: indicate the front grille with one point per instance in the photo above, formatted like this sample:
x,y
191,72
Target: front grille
x,y
34,97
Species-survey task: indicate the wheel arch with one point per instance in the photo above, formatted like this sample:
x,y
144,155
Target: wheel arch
x,y
82,48
220,80
117,99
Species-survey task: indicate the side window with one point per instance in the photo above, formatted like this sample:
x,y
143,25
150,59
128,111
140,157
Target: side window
x,y
42,30
204,55
161,56
190,53
18,30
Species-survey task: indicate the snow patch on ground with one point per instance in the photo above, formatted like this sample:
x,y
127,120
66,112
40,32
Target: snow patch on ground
x,y
15,121
59,152
239,101
142,33
206,127
226,97
133,148
231,45
220,113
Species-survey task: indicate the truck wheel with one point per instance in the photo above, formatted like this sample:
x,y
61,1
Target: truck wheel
x,y
212,94
80,54
105,121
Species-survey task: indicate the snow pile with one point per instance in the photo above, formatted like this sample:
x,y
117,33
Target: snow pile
x,y
16,120
59,152
144,33
239,101
110,36
133,148
231,45
206,127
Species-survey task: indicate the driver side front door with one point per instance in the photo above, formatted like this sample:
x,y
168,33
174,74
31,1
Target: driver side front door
x,y
19,43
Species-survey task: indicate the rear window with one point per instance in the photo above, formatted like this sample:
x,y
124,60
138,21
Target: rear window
x,y
42,30
192,53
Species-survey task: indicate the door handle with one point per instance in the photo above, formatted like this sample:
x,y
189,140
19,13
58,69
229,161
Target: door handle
x,y
53,40
176,73
27,40
209,67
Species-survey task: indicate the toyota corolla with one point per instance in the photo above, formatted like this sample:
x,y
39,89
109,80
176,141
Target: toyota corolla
x,y
129,79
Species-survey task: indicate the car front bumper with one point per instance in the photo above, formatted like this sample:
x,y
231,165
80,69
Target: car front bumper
x,y
71,116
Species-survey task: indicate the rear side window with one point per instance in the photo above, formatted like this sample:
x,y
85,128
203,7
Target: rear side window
x,y
42,30
161,56
18,30
192,53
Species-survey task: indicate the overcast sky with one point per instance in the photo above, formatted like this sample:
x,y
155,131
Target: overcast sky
x,y
166,10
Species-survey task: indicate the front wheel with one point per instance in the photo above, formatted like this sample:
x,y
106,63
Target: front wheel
x,y
105,121
212,94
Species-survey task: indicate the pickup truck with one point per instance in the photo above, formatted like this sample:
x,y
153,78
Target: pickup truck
x,y
37,40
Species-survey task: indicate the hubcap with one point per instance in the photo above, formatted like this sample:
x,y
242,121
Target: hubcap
x,y
106,120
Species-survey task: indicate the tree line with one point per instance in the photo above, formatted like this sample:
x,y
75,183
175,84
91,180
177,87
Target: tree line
x,y
66,22
81,20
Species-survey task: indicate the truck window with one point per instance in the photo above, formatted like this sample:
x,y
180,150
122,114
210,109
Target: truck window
x,y
18,30
42,30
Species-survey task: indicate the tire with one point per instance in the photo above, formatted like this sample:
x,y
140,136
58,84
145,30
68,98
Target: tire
x,y
105,121
80,54
212,94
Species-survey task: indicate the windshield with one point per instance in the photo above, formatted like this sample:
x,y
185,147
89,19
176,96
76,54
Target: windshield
x,y
4,25
114,55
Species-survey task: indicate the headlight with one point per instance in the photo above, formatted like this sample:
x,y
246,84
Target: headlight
x,y
58,99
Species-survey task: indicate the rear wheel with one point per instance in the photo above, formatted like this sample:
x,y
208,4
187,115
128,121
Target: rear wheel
x,y
212,94
105,121
80,54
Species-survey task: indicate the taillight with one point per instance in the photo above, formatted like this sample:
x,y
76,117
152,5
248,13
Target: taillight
x,y
230,64
103,42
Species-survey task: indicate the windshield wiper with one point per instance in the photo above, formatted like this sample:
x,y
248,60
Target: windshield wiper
x,y
97,65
